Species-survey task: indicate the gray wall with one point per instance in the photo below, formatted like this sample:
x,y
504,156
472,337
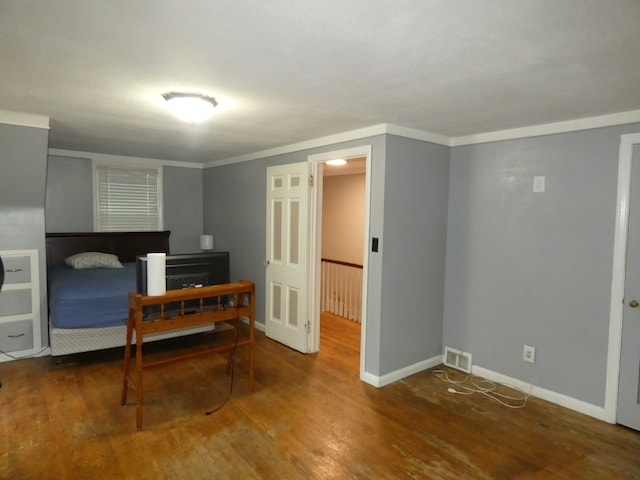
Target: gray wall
x,y
69,195
416,186
69,201
23,166
402,329
534,268
182,199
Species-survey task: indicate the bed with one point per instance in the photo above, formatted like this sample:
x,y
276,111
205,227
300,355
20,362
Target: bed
x,y
88,306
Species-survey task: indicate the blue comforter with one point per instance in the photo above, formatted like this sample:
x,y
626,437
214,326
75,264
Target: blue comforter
x,y
92,297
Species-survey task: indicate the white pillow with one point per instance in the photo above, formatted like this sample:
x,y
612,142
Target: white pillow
x,y
93,260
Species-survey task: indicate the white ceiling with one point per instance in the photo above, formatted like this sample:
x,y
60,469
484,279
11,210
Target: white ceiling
x,y
357,165
287,71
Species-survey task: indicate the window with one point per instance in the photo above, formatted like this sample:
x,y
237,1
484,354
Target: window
x,y
127,198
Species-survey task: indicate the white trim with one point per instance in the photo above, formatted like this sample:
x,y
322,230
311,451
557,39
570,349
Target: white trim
x,y
123,159
20,253
542,393
261,327
22,119
316,234
618,275
621,118
401,373
614,119
365,264
315,254
308,144
346,153
601,121
418,135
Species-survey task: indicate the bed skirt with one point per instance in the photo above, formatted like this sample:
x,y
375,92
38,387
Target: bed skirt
x,y
65,341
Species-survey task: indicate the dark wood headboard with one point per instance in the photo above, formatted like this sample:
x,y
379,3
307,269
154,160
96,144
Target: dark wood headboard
x,y
126,245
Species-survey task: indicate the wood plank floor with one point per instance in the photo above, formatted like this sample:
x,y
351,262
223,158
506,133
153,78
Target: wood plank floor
x,y
309,417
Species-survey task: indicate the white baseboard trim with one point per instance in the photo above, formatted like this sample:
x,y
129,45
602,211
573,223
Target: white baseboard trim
x,y
44,353
544,394
538,392
8,357
256,325
404,372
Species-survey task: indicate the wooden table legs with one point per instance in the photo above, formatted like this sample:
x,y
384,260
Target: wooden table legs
x,y
126,382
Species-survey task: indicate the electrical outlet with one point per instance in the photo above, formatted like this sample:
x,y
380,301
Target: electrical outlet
x,y
529,354
538,184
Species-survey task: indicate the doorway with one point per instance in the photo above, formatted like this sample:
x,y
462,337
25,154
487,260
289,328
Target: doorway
x,y
360,158
622,399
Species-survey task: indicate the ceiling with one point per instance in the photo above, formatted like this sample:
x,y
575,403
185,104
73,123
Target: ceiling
x,y
287,71
356,165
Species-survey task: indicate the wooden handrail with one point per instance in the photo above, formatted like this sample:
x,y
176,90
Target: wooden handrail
x,y
340,262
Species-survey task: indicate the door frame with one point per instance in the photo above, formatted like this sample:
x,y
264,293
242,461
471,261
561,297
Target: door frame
x,y
315,240
625,157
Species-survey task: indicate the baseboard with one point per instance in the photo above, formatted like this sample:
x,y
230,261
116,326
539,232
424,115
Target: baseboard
x,y
386,379
538,392
256,325
45,352
8,357
544,394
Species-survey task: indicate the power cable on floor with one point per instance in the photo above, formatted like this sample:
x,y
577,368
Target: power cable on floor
x,y
471,384
233,364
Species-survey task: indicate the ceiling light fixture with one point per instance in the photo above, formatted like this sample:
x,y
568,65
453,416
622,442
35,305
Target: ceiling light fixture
x,y
337,162
190,107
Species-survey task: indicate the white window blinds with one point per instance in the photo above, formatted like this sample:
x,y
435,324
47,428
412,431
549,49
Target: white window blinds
x,y
127,199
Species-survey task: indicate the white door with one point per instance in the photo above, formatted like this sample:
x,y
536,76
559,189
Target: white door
x,y
629,385
287,278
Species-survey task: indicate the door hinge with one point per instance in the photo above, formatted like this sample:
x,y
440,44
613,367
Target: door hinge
x,y
308,327
311,180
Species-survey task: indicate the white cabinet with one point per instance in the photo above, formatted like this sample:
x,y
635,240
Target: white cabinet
x,y
20,305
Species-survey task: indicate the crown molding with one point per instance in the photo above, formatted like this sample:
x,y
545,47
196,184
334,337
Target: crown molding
x,y
107,158
381,129
307,144
622,118
24,119
417,134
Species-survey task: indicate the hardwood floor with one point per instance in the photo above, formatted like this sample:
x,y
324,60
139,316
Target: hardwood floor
x,y
309,417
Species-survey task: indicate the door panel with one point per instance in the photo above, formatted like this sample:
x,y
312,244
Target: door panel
x,y
287,255
629,385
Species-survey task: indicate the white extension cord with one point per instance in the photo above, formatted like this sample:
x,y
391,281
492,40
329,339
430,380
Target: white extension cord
x,y
472,384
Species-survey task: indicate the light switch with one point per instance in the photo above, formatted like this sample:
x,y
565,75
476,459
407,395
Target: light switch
x,y
538,184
